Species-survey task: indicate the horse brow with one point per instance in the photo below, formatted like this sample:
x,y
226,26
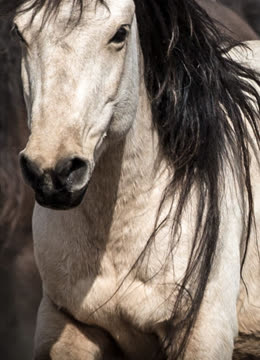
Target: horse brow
x,y
51,9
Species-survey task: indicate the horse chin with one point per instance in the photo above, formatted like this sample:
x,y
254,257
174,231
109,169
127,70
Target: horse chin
x,y
62,200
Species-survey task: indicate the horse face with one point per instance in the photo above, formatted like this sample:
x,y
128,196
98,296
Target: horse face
x,y
81,91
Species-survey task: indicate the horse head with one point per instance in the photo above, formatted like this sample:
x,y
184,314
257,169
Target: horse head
x,y
81,90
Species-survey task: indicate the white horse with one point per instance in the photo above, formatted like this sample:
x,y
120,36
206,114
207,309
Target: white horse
x,y
140,126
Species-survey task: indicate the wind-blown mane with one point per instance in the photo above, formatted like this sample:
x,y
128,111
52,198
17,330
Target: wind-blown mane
x,y
203,104
202,110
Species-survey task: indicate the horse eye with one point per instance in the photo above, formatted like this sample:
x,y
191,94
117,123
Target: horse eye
x,y
16,31
120,36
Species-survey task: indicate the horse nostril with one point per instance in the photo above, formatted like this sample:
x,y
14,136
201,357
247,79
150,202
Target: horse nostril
x,y
71,172
31,172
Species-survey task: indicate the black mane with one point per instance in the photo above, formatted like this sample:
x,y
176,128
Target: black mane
x,y
194,88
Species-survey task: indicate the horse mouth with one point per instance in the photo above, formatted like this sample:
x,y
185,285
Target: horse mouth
x,y
60,200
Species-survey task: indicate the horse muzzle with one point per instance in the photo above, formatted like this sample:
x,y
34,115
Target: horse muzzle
x,y
60,188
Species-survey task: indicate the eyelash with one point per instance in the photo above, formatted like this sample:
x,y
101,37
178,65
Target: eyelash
x,y
120,35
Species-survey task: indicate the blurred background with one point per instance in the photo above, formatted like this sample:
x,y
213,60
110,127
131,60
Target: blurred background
x,y
20,286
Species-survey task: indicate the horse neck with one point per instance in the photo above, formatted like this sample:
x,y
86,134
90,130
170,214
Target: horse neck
x,y
124,174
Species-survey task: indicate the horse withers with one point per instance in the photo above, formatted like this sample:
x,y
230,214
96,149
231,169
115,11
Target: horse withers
x,y
147,134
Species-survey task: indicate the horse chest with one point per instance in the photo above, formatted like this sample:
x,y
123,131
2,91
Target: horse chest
x,y
133,313
106,297
93,286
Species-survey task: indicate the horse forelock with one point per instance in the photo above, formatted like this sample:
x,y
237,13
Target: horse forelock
x,y
50,7
202,108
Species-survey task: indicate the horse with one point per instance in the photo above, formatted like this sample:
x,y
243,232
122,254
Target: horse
x,y
143,158
19,278
20,283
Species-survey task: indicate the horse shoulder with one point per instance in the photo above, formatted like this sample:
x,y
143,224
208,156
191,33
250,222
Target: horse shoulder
x,y
249,297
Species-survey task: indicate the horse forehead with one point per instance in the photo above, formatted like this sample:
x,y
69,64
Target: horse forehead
x,y
122,6
92,9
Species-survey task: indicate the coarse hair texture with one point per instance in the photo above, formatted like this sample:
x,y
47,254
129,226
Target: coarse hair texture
x,y
203,105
